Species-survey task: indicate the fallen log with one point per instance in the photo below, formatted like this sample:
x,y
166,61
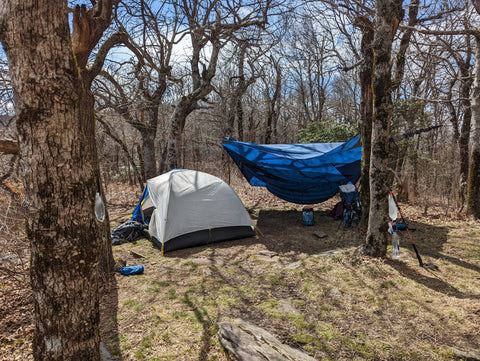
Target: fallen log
x,y
245,341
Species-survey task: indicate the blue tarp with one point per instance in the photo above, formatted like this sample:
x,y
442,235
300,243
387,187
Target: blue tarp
x,y
298,173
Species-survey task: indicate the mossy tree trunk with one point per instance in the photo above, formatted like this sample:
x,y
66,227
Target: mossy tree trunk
x,y
473,201
59,167
366,110
389,13
465,89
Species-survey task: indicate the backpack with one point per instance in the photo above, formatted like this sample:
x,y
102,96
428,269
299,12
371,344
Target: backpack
x,y
129,231
352,208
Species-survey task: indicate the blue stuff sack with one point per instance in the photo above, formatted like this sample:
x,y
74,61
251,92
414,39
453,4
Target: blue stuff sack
x,y
307,216
132,270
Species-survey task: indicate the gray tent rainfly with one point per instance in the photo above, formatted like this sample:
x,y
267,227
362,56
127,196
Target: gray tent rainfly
x,y
191,208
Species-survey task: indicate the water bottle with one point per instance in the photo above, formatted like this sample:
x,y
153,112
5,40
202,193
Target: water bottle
x,y
99,208
395,244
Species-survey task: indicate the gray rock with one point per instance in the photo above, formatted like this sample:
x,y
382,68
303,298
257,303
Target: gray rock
x,y
286,306
246,341
469,356
336,293
105,354
209,261
320,234
294,265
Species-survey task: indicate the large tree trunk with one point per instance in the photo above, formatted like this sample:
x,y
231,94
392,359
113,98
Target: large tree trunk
x,y
149,155
59,167
388,15
366,111
174,142
463,141
473,201
273,104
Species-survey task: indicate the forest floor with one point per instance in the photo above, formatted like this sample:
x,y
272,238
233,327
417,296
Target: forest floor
x,y
310,292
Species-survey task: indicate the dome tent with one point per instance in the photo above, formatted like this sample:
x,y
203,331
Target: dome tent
x,y
193,208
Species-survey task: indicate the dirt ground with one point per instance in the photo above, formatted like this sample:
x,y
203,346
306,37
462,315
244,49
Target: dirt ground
x,y
310,292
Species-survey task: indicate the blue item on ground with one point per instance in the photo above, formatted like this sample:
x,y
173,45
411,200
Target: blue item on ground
x,y
307,216
132,270
298,173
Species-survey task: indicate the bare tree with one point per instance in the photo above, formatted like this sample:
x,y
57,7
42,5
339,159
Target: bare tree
x,y
153,31
311,56
211,24
473,205
272,95
244,73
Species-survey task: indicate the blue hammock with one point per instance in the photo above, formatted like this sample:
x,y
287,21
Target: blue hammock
x,y
298,173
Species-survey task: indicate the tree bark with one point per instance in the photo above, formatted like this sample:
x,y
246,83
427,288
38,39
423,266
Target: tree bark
x,y
8,146
366,111
389,13
463,141
59,167
473,200
149,155
185,106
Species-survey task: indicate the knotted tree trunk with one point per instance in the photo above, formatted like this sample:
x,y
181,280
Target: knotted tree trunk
x,y
473,201
59,167
389,13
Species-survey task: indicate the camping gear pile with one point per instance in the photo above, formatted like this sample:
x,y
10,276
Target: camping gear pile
x,y
393,207
349,209
129,231
186,208
352,207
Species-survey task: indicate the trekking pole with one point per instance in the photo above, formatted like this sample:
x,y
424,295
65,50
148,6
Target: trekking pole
x,y
421,264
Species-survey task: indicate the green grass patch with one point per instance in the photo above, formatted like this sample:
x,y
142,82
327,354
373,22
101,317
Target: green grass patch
x,y
381,309
172,294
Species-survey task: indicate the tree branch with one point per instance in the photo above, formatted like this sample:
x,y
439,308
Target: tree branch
x,y
88,28
8,146
115,39
111,133
443,32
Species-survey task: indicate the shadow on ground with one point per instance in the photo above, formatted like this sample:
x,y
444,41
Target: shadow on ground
x,y
430,242
284,233
109,321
